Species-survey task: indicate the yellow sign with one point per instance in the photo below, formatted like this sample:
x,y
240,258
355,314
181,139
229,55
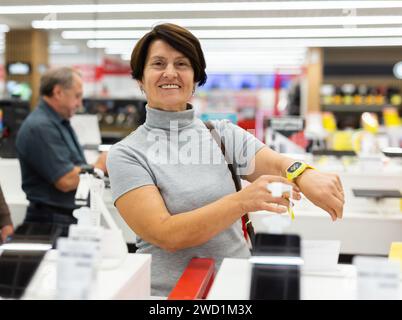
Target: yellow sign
x,y
329,121
391,117
343,140
395,253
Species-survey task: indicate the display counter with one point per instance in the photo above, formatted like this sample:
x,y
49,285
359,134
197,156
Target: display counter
x,y
131,280
368,226
232,282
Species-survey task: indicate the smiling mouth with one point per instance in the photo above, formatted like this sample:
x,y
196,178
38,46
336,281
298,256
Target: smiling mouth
x,y
170,86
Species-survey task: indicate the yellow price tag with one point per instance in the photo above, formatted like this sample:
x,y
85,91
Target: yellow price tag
x,y
291,212
395,252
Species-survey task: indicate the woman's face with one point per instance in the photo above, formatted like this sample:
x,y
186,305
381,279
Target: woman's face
x,y
168,78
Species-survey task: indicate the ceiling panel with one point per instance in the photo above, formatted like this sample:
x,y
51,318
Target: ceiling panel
x,y
24,21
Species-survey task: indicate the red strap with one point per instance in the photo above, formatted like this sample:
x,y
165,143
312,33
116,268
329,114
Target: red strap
x,y
195,281
244,227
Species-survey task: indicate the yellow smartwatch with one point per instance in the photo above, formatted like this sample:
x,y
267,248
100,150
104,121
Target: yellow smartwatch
x,y
296,169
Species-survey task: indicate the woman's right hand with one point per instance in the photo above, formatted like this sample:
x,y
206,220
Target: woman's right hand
x,y
256,196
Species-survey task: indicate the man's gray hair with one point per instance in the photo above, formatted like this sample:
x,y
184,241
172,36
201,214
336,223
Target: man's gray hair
x,y
57,76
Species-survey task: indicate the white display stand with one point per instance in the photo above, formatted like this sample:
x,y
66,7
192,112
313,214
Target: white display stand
x,y
10,180
232,282
131,280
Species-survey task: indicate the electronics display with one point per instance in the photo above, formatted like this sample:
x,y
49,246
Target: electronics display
x,y
240,81
361,95
349,101
287,125
21,256
276,267
20,90
18,68
16,271
117,117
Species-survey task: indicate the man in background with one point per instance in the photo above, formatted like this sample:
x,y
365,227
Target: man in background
x,y
49,153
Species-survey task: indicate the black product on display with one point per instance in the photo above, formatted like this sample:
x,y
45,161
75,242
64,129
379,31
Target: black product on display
x,y
287,125
21,256
392,152
335,153
13,113
276,267
377,193
16,271
117,117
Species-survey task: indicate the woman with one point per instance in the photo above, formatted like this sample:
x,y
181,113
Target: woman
x,y
169,178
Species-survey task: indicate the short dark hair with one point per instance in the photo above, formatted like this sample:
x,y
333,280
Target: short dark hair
x,y
178,38
56,76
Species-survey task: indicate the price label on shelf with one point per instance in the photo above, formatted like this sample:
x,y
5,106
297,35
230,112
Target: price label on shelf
x,y
76,268
377,278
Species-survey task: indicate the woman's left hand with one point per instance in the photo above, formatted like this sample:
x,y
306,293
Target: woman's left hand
x,y
324,190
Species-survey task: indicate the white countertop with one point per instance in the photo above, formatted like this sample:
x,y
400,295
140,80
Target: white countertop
x,y
232,282
131,280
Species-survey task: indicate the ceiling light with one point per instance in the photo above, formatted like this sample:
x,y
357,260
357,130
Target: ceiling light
x,y
111,43
232,45
296,44
219,22
271,53
205,6
278,45
245,33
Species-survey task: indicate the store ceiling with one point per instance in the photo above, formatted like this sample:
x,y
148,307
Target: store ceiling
x,y
278,31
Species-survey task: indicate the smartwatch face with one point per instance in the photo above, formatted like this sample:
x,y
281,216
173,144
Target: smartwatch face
x,y
294,167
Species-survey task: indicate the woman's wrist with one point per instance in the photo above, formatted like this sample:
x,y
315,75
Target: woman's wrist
x,y
235,203
304,174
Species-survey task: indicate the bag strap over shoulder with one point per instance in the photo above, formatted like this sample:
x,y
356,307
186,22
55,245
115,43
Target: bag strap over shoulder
x,y
220,143
248,229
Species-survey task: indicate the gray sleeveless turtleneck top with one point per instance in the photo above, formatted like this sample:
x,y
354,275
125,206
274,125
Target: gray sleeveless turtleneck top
x,y
175,152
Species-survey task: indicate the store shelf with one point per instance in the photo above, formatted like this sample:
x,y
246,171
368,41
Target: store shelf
x,y
353,108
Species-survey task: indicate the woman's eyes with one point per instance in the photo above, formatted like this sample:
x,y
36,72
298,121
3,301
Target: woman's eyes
x,y
183,64
178,64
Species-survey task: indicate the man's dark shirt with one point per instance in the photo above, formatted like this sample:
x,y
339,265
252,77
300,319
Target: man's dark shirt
x,y
47,149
